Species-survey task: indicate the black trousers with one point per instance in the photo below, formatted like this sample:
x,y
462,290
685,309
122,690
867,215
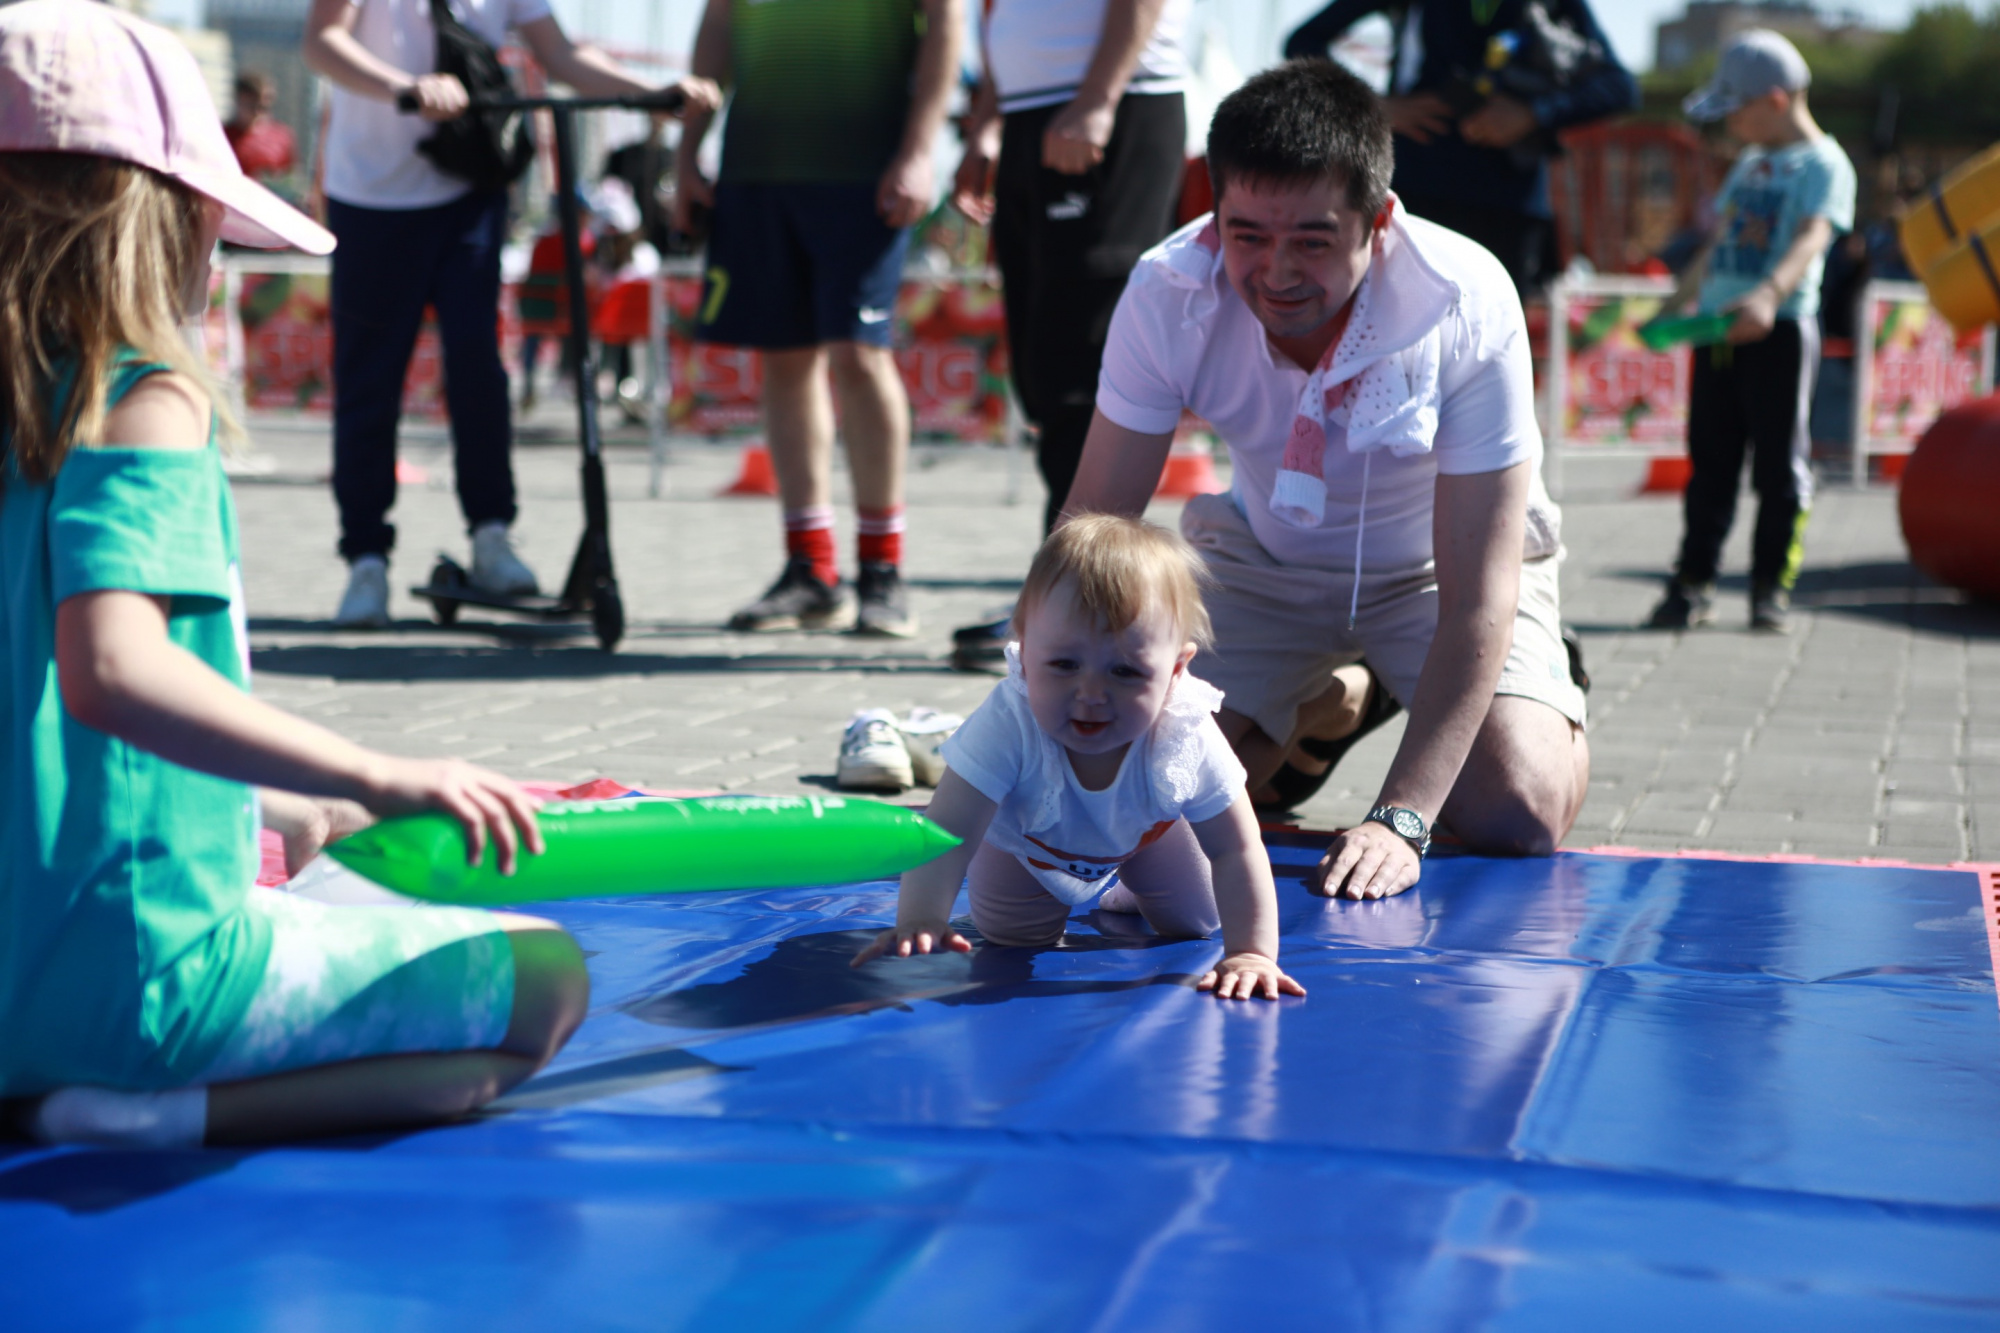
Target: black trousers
x,y
1065,245
1756,396
1525,244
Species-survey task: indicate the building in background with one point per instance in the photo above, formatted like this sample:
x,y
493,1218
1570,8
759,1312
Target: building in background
x,y
1710,25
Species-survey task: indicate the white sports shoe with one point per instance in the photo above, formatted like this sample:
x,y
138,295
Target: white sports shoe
x,y
495,566
365,604
872,754
924,730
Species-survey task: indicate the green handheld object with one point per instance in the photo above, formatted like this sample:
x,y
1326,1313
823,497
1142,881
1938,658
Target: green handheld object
x,y
600,849
1699,330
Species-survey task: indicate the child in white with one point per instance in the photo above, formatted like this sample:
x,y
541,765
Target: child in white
x,y
1096,765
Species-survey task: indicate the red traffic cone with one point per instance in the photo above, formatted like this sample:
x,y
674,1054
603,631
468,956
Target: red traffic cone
x,y
1190,470
1667,474
756,476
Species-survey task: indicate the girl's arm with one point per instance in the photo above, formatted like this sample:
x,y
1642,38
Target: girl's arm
x,y
308,823
923,909
1248,902
120,674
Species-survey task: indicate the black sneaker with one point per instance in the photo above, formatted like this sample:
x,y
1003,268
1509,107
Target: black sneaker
x,y
885,603
1686,606
1770,610
982,647
798,600
1291,787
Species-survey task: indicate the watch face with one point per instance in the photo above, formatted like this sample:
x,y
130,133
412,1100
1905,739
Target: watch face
x,y
1407,823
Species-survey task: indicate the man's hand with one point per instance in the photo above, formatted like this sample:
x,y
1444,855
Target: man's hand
x,y
690,188
1501,123
1245,976
1367,861
1418,118
972,186
1076,137
699,96
1756,314
900,941
907,190
439,96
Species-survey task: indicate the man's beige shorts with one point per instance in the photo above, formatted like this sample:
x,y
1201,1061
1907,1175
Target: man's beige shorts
x,y
1281,630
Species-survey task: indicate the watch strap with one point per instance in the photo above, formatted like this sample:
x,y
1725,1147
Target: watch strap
x,y
1385,815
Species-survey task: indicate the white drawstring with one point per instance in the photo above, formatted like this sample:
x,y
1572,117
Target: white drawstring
x,y
1360,527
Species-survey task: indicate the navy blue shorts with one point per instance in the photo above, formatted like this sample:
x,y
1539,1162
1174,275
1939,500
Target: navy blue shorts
x,y
796,265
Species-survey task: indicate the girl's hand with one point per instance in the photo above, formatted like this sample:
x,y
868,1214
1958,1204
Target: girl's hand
x,y
483,802
901,941
1245,976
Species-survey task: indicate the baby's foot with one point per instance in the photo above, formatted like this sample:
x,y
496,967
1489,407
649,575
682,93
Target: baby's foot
x,y
1118,898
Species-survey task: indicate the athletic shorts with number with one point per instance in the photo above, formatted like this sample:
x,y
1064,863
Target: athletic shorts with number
x,y
1281,630
797,264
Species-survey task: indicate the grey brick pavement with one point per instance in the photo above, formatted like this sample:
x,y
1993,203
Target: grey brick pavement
x,y
1872,730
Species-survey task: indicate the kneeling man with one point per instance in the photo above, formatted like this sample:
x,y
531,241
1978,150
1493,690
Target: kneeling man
x,y
1369,372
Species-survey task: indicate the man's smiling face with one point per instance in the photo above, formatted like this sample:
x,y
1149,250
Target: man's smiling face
x,y
1295,253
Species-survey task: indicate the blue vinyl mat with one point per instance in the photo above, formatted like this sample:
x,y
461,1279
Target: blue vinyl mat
x,y
1658,1093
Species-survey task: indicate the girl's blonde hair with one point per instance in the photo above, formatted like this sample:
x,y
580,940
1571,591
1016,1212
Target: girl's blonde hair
x,y
1117,567
95,255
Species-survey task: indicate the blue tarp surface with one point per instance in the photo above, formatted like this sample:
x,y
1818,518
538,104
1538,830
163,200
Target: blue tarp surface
x,y
1669,1094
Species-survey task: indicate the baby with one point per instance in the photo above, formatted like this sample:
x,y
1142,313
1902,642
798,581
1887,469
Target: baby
x,y
1096,765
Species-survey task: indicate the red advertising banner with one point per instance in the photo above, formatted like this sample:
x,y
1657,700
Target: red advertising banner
x,y
1914,366
1609,387
950,344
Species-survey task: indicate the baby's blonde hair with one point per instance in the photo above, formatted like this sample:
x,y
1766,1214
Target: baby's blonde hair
x,y
1116,568
95,254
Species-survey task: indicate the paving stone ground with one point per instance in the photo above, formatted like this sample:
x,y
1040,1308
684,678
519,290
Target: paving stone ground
x,y
1873,729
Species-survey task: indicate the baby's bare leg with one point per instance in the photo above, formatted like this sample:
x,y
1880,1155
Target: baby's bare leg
x,y
1174,885
551,993
1009,905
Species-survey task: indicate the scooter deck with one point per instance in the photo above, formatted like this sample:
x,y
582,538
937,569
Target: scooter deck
x,y
525,604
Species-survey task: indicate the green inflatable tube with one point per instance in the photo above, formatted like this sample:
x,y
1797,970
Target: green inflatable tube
x,y
601,849
1700,330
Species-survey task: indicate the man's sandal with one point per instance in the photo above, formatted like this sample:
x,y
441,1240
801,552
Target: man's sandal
x,y
1291,787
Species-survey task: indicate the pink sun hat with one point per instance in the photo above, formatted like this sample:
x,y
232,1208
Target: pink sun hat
x,y
82,77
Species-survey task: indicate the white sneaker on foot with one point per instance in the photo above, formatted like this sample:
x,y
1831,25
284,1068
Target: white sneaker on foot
x,y
495,566
365,604
924,731
872,754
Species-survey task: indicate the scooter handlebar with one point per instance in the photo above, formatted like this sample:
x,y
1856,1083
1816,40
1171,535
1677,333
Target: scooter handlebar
x,y
666,99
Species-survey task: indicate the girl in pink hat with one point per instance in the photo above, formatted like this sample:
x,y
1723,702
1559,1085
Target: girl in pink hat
x,y
149,994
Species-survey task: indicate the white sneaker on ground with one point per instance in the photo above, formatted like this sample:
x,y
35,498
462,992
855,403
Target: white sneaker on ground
x,y
365,604
924,730
872,754
1118,898
495,566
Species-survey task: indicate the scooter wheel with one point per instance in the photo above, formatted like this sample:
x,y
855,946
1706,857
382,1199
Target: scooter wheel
x,y
446,613
607,615
446,574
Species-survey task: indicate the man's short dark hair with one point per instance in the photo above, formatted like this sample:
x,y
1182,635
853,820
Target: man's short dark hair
x,y
1304,121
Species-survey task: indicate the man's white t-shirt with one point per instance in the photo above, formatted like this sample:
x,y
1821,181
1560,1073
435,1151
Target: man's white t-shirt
x,y
1182,338
371,147
1038,50
1072,840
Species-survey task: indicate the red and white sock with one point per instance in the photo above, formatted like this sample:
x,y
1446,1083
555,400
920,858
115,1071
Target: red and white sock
x,y
809,533
879,538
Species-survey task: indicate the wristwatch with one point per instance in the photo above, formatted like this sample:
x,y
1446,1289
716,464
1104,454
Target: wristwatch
x,y
1405,823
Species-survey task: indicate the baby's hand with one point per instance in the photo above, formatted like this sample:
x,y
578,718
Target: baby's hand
x,y
1244,976
901,941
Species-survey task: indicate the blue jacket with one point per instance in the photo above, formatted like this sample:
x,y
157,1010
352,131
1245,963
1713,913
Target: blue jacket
x,y
1454,35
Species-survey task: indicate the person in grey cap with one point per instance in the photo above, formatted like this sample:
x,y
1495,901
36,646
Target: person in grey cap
x,y
1790,192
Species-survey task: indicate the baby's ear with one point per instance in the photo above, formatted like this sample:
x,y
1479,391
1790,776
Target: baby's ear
x,y
1187,655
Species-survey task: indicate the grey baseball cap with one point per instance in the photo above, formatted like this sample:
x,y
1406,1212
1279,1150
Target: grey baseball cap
x,y
1757,62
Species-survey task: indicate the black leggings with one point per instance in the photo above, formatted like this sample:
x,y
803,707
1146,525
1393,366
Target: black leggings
x,y
1065,245
1753,395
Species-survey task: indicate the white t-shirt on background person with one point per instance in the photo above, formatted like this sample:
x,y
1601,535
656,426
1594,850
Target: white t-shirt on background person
x,y
1072,840
1038,50
1182,338
371,147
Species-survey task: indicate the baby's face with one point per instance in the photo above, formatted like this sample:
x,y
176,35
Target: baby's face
x,y
1097,691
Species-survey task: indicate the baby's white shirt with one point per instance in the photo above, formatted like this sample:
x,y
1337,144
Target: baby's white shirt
x,y
1073,840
